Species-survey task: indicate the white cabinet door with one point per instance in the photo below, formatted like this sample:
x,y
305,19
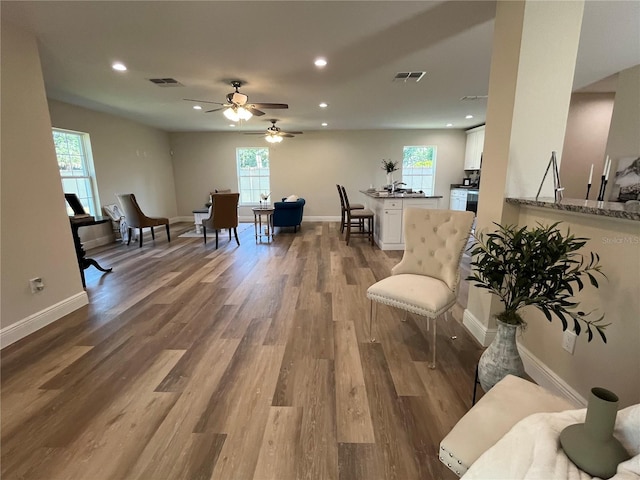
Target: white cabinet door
x,y
458,200
474,148
391,226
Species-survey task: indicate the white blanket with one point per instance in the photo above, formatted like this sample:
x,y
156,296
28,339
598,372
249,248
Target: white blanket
x,y
531,449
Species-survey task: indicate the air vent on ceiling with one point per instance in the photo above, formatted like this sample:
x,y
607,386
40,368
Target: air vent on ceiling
x,y
474,97
409,76
166,82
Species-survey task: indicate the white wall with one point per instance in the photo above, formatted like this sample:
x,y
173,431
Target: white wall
x,y
309,165
616,364
128,157
585,142
36,235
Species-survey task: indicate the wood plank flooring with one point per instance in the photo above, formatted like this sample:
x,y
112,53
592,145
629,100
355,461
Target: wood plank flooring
x,y
242,363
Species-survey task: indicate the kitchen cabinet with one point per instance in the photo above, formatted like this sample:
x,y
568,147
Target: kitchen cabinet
x,y
458,199
388,213
475,146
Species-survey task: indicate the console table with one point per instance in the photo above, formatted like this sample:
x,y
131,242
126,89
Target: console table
x,y
85,262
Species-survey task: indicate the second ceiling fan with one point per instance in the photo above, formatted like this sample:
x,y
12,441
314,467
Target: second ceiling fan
x,y
237,106
275,134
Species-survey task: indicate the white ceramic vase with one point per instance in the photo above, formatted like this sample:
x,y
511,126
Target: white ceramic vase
x,y
501,358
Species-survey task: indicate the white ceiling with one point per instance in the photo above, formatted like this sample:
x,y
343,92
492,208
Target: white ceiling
x,y
271,46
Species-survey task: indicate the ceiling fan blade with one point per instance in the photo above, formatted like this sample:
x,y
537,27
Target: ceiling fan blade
x,y
216,109
202,101
294,133
269,105
288,135
253,133
254,110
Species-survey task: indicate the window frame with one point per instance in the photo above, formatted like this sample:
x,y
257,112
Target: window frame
x,y
90,202
406,177
259,176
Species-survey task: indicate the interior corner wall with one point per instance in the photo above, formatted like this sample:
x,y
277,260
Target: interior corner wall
x,y
309,165
128,157
35,235
585,142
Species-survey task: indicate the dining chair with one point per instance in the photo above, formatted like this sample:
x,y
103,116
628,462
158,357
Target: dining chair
x,y
425,282
223,214
359,216
343,208
136,219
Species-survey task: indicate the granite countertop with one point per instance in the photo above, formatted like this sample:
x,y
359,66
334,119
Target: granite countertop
x,y
591,207
377,194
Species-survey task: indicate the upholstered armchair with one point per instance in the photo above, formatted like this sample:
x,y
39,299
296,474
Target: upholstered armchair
x,y
288,214
136,219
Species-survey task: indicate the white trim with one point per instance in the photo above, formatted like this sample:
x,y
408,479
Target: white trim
x,y
546,378
20,329
181,218
96,242
479,331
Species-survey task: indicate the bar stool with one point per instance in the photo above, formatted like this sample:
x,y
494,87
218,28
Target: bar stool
x,y
343,209
360,215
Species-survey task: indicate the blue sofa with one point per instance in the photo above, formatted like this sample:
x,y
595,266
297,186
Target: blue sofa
x,y
288,214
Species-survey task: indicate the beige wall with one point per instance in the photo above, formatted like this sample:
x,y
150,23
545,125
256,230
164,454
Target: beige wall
x,y
585,142
616,364
36,236
309,165
128,157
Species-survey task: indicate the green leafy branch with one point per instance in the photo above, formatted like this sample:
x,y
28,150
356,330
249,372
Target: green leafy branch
x,y
538,267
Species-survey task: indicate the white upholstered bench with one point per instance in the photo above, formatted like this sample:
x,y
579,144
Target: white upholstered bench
x,y
508,402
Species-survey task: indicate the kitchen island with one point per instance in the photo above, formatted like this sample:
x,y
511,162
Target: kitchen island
x,y
388,208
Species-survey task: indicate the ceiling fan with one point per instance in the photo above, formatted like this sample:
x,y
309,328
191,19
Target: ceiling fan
x,y
237,107
275,134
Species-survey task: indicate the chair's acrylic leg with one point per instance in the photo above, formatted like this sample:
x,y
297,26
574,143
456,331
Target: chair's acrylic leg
x,y
373,311
431,323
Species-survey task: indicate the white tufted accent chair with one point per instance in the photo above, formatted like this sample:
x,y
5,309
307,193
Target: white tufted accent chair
x,y
425,282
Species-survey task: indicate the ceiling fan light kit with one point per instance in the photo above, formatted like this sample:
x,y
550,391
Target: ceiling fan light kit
x,y
237,108
235,114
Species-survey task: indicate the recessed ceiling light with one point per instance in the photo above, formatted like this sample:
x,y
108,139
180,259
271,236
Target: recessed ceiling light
x,y
469,116
320,62
324,124
232,125
119,67
197,107
449,124
323,105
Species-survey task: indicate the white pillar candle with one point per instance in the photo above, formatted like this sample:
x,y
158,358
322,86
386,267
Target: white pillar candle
x,y
590,174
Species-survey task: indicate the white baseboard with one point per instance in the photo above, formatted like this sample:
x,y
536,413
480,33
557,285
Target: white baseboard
x,y
96,242
16,331
479,331
182,218
546,378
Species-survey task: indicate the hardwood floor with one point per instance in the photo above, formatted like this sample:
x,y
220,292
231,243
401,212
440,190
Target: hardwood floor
x,y
249,362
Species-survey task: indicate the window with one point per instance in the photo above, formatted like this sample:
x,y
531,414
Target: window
x,y
419,168
253,174
73,150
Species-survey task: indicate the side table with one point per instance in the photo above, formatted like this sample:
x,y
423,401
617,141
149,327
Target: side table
x,y
258,212
199,215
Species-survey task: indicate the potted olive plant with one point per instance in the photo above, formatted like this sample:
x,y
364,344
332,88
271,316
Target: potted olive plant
x,y
389,167
537,266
